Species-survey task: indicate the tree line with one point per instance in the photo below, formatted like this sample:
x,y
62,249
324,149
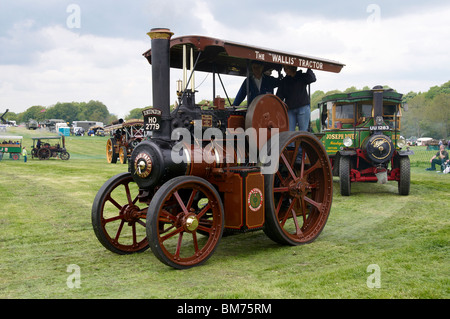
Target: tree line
x,y
67,111
427,113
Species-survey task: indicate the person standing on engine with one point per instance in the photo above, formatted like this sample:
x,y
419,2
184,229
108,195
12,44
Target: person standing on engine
x,y
260,83
292,91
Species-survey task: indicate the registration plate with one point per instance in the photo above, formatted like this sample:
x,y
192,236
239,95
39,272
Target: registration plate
x,y
152,119
379,128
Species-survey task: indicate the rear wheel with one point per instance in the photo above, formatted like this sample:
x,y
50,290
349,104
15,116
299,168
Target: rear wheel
x,y
299,194
44,153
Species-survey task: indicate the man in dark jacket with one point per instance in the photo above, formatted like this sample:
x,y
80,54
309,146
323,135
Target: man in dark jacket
x,y
440,158
292,91
259,84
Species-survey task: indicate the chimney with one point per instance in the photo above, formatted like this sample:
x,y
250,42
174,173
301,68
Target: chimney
x,y
161,77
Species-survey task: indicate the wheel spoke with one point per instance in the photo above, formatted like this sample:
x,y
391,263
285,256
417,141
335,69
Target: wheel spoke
x,y
316,165
298,231
180,202
170,235
294,153
191,199
133,230
280,202
119,231
178,249
127,191
108,220
313,202
286,163
203,211
194,240
303,211
290,209
166,217
109,198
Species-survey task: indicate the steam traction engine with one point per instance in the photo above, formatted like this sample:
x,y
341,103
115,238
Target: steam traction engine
x,y
206,171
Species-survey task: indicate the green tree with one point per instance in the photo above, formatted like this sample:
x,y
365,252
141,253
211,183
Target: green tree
x,y
316,97
66,111
36,112
439,114
135,113
93,111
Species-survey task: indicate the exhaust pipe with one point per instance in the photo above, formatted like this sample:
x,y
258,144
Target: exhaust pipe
x,y
160,44
378,104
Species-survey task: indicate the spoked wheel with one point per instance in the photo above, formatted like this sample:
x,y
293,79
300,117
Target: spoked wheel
x,y
299,195
64,156
123,155
44,153
118,221
183,207
111,155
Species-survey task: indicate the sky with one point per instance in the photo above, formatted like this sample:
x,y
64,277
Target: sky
x,y
62,51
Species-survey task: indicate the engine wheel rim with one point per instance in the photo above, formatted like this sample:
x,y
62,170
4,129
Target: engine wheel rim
x,y
118,220
302,193
179,217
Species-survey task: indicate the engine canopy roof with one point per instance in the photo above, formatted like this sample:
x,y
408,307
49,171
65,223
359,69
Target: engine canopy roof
x,y
226,57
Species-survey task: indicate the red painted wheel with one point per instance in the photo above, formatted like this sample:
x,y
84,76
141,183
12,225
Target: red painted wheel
x,y
44,153
183,207
118,221
299,194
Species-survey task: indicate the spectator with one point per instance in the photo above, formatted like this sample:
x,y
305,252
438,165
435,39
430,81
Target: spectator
x,y
440,158
24,154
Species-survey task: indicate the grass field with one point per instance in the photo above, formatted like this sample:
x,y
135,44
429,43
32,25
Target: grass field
x,y
45,229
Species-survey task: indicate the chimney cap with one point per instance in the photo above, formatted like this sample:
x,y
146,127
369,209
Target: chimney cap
x,y
160,33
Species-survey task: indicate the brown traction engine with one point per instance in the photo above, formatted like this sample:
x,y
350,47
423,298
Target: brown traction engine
x,y
206,172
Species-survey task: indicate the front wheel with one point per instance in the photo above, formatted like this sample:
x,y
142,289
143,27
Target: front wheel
x,y
405,176
182,208
123,155
64,156
111,155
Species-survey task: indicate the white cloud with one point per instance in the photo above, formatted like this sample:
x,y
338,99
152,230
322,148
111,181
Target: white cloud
x,y
44,65
407,51
76,67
